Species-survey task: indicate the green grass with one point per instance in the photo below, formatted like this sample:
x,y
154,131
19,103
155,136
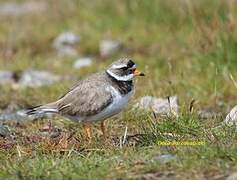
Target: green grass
x,y
186,48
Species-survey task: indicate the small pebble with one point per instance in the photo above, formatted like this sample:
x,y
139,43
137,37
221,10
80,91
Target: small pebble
x,y
36,78
64,44
232,176
17,9
165,158
6,77
20,116
109,47
83,62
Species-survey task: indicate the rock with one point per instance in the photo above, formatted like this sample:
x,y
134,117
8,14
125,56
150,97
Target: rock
x,y
5,131
82,62
35,78
17,116
64,44
231,118
31,78
67,51
66,38
232,176
109,47
17,9
6,77
165,106
146,102
165,158
21,116
160,106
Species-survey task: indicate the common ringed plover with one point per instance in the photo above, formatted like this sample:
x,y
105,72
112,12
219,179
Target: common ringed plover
x,y
97,97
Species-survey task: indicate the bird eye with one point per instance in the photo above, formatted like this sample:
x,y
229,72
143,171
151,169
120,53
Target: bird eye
x,y
130,71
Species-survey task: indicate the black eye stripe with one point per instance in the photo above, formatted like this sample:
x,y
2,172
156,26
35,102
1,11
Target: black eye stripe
x,y
128,68
124,68
130,64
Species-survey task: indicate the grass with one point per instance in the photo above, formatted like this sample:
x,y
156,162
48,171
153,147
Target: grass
x,y
186,48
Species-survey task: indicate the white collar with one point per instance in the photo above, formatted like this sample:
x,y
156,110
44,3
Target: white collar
x,y
120,78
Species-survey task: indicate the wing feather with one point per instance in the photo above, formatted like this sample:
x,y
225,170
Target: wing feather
x,y
87,99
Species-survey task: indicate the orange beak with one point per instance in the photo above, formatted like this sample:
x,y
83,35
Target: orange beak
x,y
138,73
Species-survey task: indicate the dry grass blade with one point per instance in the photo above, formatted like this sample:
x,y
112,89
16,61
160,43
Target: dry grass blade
x,y
233,80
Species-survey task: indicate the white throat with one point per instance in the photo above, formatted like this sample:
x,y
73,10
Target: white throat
x,y
120,78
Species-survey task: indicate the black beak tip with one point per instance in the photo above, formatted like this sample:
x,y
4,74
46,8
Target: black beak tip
x,y
142,74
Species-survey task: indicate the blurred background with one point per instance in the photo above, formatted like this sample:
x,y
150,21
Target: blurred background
x,y
187,48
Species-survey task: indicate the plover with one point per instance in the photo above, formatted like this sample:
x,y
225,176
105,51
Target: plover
x,y
97,97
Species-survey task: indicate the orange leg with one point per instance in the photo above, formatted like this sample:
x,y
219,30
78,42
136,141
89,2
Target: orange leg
x,y
103,128
87,128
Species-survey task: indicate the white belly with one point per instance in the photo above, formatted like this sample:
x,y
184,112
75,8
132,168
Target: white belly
x,y
119,102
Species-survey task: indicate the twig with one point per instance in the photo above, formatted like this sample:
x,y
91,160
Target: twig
x,y
232,78
18,151
125,135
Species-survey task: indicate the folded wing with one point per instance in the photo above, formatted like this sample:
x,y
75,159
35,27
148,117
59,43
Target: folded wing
x,y
85,100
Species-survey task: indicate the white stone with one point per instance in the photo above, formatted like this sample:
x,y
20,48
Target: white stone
x,y
66,38
64,44
21,116
165,106
231,118
36,78
165,158
6,77
146,102
83,62
17,9
109,47
232,176
66,51
160,105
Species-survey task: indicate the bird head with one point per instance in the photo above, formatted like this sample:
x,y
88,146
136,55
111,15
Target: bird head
x,y
123,70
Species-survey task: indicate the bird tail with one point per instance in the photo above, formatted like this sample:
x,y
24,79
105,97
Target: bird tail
x,y
42,109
